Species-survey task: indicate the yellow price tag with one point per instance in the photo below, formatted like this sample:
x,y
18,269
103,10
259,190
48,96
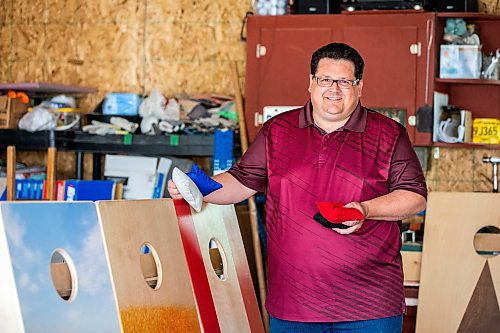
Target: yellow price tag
x,y
486,130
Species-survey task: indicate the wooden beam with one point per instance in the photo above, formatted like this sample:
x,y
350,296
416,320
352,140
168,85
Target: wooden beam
x,y
51,173
11,173
259,264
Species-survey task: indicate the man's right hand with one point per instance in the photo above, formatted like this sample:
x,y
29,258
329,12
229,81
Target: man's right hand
x,y
173,190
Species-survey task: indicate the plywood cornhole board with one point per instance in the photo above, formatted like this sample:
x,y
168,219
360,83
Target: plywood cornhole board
x,y
459,289
190,298
232,293
29,234
127,225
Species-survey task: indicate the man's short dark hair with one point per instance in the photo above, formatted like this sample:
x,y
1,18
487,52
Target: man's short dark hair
x,y
338,51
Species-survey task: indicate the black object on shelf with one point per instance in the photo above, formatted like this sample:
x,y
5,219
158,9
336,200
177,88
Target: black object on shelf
x,y
138,144
200,145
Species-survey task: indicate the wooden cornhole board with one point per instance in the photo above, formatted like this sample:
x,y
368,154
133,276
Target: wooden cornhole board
x,y
127,225
191,297
232,293
30,232
459,289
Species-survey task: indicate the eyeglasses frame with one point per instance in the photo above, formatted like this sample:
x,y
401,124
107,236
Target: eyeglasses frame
x,y
353,82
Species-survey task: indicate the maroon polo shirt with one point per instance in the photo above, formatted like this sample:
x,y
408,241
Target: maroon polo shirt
x,y
314,273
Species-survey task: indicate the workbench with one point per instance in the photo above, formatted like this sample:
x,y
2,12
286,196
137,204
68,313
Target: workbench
x,y
198,145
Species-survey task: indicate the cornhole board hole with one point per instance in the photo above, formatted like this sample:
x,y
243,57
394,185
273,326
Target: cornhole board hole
x,y
148,266
459,289
53,269
218,268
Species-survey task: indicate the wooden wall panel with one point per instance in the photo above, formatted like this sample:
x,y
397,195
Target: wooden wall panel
x,y
174,46
460,170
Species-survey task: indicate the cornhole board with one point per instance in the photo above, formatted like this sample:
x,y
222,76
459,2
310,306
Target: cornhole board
x,y
127,226
228,290
459,289
30,232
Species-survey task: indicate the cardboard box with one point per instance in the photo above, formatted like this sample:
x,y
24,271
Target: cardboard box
x,y
11,110
93,190
137,173
460,62
121,104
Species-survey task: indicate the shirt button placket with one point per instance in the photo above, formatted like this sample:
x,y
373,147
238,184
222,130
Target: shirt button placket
x,y
323,153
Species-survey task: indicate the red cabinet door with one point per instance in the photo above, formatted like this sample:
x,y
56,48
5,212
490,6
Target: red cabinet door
x,y
394,47
278,56
397,49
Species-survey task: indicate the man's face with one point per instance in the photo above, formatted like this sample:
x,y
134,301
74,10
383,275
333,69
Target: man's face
x,y
334,104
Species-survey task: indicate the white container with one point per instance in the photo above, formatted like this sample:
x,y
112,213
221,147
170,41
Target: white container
x,y
270,7
460,62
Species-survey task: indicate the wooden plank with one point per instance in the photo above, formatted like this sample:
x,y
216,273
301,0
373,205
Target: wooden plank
x,y
487,242
30,233
451,268
259,262
411,265
11,173
127,225
51,173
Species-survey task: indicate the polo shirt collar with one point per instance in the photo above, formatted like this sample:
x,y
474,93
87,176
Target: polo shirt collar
x,y
356,123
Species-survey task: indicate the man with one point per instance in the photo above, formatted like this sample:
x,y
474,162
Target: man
x,y
333,149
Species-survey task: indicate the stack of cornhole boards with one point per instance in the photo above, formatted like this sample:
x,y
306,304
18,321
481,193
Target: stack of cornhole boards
x,y
123,266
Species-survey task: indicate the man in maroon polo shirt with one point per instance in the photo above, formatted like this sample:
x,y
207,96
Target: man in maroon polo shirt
x,y
332,149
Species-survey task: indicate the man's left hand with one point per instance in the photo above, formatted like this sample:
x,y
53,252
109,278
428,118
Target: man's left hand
x,y
353,225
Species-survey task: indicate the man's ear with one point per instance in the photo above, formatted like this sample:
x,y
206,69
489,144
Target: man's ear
x,y
310,82
360,87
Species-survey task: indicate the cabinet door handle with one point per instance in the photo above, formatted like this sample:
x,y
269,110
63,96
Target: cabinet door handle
x,y
258,119
260,51
412,120
416,49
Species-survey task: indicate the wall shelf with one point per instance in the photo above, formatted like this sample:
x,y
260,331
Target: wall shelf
x,y
45,87
464,145
150,145
198,145
469,81
468,15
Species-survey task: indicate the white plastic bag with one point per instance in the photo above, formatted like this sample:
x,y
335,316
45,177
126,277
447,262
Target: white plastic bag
x,y
38,119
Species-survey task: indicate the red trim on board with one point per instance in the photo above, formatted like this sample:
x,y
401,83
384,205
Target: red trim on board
x,y
199,280
249,299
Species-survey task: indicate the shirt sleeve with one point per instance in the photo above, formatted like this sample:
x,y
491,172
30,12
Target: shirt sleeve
x,y
406,172
251,170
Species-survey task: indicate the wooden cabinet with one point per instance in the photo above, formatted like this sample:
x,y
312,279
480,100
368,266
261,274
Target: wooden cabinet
x,y
481,97
401,52
396,47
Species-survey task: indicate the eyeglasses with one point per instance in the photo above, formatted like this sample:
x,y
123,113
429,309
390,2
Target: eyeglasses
x,y
328,82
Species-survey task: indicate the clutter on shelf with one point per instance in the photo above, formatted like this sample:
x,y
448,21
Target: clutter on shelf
x,y
462,55
155,114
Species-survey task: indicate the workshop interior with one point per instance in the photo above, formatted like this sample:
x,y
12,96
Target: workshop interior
x,y
106,105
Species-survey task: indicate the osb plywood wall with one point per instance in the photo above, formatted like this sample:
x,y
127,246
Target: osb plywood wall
x,y
489,6
460,170
172,45
123,45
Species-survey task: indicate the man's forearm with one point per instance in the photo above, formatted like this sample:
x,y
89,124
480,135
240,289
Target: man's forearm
x,y
394,206
232,191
